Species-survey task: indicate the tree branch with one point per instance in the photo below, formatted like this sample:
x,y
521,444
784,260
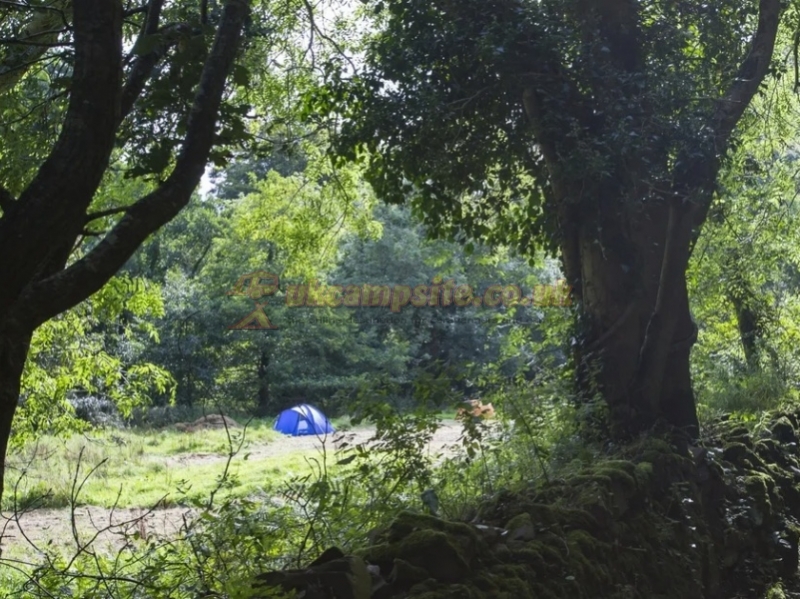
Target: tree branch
x,y
143,66
54,204
28,7
751,75
103,213
52,296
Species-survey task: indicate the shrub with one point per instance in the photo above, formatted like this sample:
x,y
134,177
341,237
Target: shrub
x,y
97,411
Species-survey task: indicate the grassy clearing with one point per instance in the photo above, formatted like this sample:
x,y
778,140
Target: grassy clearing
x,y
140,468
148,465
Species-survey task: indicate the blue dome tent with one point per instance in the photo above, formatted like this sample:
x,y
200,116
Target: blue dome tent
x,y
303,420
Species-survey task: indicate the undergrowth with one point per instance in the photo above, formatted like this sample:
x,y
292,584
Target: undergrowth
x,y
338,498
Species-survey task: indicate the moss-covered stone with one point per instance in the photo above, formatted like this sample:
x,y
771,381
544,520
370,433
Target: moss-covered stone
x,y
735,453
775,592
760,486
740,434
783,430
407,522
521,528
658,521
405,574
643,472
441,555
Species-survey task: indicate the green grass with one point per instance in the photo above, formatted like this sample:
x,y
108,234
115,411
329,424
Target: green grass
x,y
141,468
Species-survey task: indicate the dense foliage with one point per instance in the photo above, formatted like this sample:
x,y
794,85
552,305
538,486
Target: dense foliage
x,y
584,212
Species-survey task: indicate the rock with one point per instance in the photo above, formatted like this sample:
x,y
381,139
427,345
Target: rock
x,y
520,528
740,435
435,552
380,588
490,534
783,431
328,577
698,453
405,575
418,547
741,455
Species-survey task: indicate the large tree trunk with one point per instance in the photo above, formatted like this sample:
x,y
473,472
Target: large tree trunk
x,y
627,229
636,402
617,277
14,344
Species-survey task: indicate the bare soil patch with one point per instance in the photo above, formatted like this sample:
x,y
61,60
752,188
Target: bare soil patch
x,y
109,530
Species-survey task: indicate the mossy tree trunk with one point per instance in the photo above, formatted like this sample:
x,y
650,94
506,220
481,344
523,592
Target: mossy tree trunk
x,y
637,328
626,239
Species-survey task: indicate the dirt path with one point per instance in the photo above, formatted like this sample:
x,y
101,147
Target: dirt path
x,y
444,438
37,528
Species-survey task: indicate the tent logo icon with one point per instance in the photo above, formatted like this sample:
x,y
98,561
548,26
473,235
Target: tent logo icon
x,y
255,285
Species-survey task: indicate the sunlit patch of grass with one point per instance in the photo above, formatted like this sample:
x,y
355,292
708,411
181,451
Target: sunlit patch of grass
x,y
141,468
187,485
172,442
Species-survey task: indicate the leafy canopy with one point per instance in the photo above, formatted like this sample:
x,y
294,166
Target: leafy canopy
x,y
437,111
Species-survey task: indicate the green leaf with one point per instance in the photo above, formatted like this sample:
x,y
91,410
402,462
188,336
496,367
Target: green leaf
x,y
241,75
147,44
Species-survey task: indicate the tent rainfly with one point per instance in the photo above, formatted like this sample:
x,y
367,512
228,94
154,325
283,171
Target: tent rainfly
x,y
303,420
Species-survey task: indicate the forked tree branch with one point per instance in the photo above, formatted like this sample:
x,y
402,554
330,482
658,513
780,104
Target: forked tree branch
x,y
53,206
55,294
751,75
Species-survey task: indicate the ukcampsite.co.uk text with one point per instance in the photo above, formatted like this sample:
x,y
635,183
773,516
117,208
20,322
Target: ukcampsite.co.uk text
x,y
438,294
